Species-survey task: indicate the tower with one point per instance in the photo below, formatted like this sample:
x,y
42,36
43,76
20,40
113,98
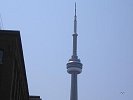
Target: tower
x,y
74,66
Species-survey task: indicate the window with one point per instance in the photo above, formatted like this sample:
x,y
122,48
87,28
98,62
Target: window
x,y
1,56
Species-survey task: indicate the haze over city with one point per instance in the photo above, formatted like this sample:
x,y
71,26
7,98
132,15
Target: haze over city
x,y
105,46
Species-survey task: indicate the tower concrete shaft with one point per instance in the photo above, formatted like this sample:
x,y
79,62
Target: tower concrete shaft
x,y
74,91
74,66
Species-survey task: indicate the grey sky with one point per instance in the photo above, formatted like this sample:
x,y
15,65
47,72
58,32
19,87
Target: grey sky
x,y
105,46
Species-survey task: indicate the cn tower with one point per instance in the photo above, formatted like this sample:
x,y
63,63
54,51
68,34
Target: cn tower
x,y
74,66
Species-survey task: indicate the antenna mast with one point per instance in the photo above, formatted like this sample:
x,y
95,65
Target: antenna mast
x,y
1,22
74,56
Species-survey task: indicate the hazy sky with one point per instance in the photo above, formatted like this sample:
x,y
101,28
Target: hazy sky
x,y
105,46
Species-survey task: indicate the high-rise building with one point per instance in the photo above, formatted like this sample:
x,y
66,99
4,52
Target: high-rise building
x,y
13,80
74,66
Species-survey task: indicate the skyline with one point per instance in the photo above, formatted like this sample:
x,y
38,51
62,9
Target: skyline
x,y
104,45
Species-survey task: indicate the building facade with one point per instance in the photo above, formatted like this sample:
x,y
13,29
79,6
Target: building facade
x,y
13,80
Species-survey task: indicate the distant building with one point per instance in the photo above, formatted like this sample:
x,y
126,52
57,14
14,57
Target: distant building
x,y
13,80
35,98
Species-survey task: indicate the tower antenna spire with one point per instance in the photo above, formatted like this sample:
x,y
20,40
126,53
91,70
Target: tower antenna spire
x,y
75,20
74,56
75,8
1,22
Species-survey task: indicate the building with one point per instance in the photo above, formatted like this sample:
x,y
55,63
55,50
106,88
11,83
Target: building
x,y
13,80
35,98
74,66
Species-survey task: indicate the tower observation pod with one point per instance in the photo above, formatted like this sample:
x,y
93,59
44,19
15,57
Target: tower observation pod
x,y
74,66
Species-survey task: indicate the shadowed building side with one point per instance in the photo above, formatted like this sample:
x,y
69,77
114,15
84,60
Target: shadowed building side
x,y
13,80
